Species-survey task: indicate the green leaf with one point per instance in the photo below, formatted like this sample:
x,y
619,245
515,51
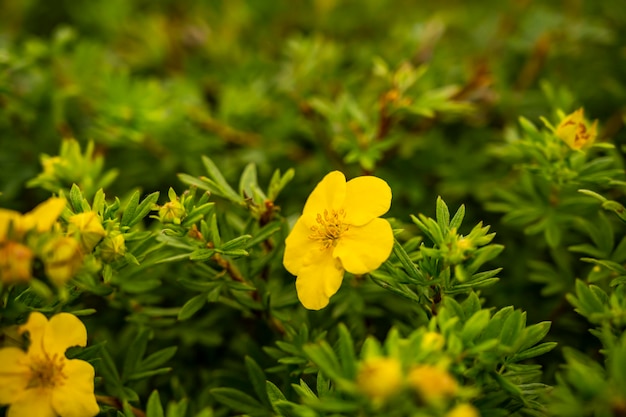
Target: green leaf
x,y
136,350
257,379
158,358
345,348
456,221
192,306
534,333
263,234
273,393
143,209
533,351
236,243
475,325
237,400
407,263
154,407
512,327
129,210
224,188
443,215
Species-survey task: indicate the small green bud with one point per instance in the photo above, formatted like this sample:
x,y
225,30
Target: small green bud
x,y
112,247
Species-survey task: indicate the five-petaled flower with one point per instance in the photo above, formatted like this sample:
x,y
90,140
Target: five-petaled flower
x,y
42,382
574,131
339,230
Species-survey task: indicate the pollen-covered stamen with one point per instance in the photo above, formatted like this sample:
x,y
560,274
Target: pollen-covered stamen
x,y
47,371
330,226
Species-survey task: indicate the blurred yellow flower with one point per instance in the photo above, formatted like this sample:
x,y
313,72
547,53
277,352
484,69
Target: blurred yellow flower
x,y
62,259
574,131
88,228
42,382
15,262
40,219
339,230
379,377
463,410
432,383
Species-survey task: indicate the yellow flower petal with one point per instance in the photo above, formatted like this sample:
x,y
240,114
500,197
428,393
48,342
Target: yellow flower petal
x,y
35,326
14,374
76,397
299,247
328,195
366,199
363,249
45,214
64,330
319,281
34,402
6,218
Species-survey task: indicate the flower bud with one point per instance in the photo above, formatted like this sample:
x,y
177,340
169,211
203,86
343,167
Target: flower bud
x,y
172,212
379,378
15,262
432,383
432,341
62,259
88,228
112,247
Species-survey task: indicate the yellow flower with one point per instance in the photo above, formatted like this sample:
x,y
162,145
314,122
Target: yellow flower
x,y
42,382
339,230
40,219
62,259
15,262
89,229
573,130
379,377
432,383
463,410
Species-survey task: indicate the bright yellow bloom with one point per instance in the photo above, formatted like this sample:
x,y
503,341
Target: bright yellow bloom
x,y
88,228
379,377
16,262
62,259
42,382
463,410
40,219
432,383
573,130
339,230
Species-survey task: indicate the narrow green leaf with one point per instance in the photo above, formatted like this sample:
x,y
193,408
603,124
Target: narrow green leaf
x,y
237,400
129,210
443,215
154,407
345,349
158,358
456,221
136,351
192,306
143,209
257,379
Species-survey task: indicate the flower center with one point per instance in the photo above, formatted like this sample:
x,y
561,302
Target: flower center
x,y
329,227
47,371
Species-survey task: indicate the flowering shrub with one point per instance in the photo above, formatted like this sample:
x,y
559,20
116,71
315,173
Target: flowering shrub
x,y
335,209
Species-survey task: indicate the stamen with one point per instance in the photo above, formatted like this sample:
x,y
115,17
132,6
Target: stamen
x,y
47,371
330,227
